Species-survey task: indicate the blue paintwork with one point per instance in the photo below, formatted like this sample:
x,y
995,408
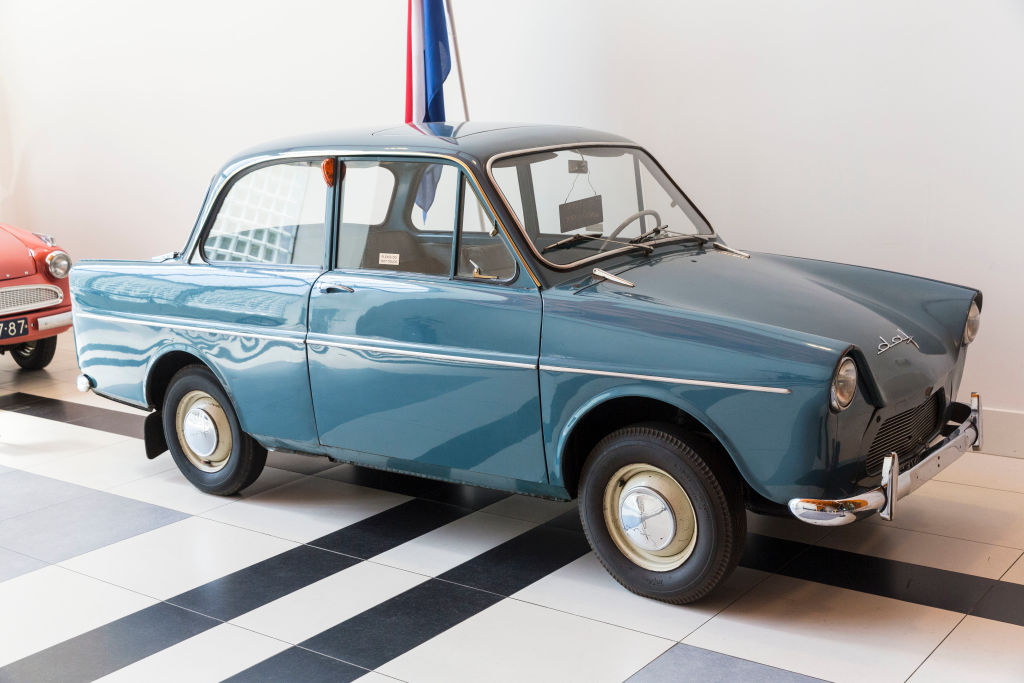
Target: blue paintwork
x,y
461,415
768,321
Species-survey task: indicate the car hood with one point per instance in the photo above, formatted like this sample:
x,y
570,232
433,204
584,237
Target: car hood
x,y
15,259
849,305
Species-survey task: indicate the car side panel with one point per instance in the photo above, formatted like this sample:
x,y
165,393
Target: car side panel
x,y
248,324
778,441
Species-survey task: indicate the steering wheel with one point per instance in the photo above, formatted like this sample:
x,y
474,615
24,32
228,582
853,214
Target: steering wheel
x,y
629,219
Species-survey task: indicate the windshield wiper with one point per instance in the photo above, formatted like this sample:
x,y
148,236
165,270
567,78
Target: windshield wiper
x,y
571,239
701,239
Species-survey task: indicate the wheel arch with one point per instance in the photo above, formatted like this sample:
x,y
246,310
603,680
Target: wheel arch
x,y
604,414
164,366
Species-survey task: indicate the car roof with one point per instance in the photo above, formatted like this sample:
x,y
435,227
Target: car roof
x,y
475,139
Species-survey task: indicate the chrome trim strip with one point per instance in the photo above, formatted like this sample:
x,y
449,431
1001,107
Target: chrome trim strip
x,y
669,380
420,354
181,324
35,305
51,321
942,455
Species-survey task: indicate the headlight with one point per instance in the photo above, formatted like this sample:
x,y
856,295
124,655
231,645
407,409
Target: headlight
x,y
973,323
844,385
59,264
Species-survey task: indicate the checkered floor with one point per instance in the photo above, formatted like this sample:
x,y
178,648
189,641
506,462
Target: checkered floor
x,y
112,566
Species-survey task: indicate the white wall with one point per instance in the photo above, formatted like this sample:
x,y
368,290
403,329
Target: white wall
x,y
880,132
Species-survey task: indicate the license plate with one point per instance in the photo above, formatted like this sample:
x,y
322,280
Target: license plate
x,y
14,328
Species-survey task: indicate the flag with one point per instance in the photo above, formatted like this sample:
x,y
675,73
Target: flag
x,y
427,65
427,61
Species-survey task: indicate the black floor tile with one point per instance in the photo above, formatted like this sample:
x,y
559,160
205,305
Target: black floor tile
x,y
889,578
395,626
263,582
110,647
1004,602
391,528
517,563
297,664
93,417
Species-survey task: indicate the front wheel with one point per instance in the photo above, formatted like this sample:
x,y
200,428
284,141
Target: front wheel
x,y
35,355
205,437
663,513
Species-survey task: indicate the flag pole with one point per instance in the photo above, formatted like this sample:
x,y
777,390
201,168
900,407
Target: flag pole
x,y
458,61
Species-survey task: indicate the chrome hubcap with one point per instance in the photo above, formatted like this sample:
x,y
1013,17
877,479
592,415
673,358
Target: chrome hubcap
x,y
650,517
646,519
204,432
200,432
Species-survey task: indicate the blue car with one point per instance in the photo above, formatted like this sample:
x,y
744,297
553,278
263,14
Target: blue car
x,y
538,309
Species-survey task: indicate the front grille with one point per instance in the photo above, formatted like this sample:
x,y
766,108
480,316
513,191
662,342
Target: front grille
x,y
28,297
905,433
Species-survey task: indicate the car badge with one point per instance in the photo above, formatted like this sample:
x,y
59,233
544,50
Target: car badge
x,y
900,338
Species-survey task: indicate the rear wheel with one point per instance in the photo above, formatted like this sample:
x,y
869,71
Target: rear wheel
x,y
663,513
205,437
35,355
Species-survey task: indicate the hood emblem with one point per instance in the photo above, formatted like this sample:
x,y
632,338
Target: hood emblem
x,y
900,338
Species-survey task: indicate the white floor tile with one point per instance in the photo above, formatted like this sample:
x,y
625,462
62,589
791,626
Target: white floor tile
x,y
537,510
517,641
210,656
178,557
1016,573
170,489
50,605
319,606
989,471
374,677
306,509
977,650
586,589
941,552
438,551
968,512
831,633
100,468
23,439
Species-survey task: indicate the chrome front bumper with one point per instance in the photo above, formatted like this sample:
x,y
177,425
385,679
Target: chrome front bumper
x,y
968,435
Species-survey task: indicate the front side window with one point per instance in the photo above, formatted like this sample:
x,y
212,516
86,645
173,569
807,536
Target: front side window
x,y
482,253
273,215
577,203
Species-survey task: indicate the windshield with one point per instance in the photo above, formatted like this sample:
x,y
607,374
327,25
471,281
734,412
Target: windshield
x,y
578,203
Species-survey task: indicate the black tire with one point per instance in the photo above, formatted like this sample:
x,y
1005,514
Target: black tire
x,y
245,458
713,489
35,355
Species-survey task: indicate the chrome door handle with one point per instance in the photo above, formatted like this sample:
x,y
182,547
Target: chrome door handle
x,y
334,289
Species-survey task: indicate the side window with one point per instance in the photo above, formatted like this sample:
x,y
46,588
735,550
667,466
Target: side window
x,y
398,215
482,253
436,181
273,215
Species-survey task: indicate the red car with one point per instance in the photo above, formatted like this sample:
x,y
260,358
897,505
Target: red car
x,y
34,302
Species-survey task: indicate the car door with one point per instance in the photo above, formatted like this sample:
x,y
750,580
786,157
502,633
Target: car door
x,y
424,337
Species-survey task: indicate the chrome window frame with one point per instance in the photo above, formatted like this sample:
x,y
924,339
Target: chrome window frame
x,y
596,257
228,175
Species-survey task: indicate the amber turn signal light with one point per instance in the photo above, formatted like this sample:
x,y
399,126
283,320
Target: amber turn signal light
x,y
327,166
